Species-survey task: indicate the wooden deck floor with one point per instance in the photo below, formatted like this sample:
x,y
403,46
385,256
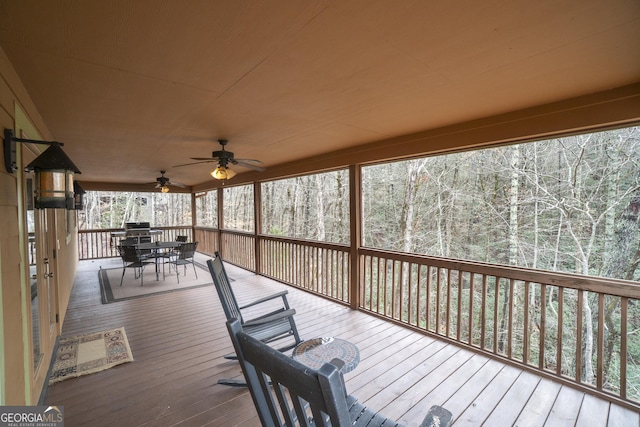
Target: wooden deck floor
x,y
178,340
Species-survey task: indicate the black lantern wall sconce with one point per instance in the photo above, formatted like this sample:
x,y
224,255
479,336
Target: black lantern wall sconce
x,y
54,186
78,196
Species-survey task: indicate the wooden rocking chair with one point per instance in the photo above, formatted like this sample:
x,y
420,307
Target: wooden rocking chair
x,y
286,392
277,326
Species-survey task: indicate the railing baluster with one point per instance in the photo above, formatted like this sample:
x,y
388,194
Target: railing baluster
x,y
398,289
579,336
560,331
472,279
459,308
428,300
543,320
624,308
510,320
448,309
600,342
496,314
438,293
413,310
526,322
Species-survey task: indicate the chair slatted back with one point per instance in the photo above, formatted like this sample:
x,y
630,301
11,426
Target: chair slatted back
x,y
187,250
297,395
129,241
223,287
145,239
129,254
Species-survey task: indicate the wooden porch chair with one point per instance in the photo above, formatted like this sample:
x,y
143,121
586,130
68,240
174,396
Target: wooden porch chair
x,y
277,326
286,392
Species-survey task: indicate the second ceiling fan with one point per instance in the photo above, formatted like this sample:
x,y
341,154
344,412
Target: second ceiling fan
x,y
163,182
224,158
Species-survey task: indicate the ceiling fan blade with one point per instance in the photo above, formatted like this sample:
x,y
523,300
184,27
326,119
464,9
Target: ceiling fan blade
x,y
244,164
176,184
252,161
213,159
195,163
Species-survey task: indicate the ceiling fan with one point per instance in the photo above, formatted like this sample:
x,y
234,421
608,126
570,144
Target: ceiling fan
x,y
224,158
163,182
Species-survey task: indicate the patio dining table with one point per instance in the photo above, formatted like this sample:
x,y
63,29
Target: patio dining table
x,y
156,248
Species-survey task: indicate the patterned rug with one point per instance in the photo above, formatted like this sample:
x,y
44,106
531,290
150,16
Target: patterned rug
x,y
111,291
87,354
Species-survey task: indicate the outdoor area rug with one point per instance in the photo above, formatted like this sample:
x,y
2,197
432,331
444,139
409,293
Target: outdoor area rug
x,y
90,353
111,291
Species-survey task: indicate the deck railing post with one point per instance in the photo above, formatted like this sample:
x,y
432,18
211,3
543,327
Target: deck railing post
x,y
220,219
355,206
257,229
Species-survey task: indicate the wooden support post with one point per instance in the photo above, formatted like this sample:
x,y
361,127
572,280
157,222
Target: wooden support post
x,y
257,230
355,215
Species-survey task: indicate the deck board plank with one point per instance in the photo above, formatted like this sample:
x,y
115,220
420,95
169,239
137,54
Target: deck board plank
x,y
622,417
506,412
474,386
537,409
593,412
564,411
483,405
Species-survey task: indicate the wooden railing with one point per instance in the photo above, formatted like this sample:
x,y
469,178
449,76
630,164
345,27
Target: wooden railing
x,y
93,244
576,329
321,268
316,267
239,248
207,239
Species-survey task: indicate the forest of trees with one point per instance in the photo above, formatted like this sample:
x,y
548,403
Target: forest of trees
x,y
111,209
567,204
310,207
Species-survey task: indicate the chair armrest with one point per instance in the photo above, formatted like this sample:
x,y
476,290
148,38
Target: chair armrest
x,y
338,363
267,298
270,318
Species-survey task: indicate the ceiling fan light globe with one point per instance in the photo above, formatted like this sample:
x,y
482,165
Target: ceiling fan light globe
x,y
164,189
222,173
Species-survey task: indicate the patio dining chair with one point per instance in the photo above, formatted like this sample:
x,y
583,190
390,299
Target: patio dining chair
x,y
169,255
277,326
129,241
132,258
287,392
174,252
185,255
145,253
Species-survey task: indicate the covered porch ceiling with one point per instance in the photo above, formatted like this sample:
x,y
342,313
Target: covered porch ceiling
x,y
135,87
